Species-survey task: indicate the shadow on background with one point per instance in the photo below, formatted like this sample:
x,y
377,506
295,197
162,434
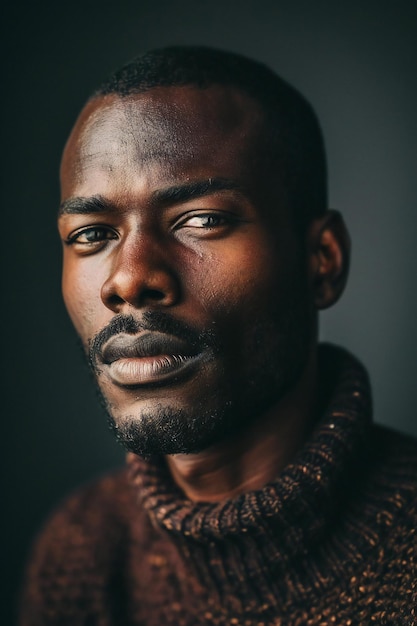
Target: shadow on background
x,y
357,65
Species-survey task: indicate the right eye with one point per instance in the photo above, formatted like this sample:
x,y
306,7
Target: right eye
x,y
91,236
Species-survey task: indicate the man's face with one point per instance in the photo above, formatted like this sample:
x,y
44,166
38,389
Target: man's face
x,y
183,273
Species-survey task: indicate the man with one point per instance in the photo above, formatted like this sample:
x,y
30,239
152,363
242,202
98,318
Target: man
x,y
198,250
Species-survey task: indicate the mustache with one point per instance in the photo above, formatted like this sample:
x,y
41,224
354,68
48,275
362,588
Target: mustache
x,y
153,321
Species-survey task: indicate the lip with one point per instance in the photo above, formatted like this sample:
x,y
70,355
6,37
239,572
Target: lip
x,y
147,359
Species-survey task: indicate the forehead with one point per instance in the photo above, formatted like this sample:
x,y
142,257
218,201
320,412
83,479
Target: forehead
x,y
174,131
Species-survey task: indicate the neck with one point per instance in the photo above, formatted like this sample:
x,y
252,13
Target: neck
x,y
257,455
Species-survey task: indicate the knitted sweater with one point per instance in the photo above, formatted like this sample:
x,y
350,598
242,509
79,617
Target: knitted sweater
x,y
332,540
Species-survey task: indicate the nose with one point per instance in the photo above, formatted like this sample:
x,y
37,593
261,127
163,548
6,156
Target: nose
x,y
140,276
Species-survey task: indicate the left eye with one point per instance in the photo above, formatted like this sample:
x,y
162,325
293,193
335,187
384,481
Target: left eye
x,y
209,220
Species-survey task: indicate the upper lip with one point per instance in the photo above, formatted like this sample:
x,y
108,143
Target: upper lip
x,y
147,344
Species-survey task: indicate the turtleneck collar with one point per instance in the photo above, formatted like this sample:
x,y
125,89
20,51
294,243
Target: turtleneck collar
x,y
248,542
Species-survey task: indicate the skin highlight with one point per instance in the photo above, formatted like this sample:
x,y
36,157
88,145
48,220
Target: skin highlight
x,y
168,207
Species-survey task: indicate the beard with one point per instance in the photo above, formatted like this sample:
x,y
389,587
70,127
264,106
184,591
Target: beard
x,y
274,355
165,431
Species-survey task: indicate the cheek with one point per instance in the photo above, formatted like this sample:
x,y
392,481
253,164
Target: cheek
x,y
256,293
81,288
244,273
235,278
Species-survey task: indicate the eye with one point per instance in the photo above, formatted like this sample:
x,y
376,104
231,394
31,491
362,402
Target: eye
x,y
207,220
205,224
91,236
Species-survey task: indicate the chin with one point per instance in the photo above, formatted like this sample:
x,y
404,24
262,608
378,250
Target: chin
x,y
165,430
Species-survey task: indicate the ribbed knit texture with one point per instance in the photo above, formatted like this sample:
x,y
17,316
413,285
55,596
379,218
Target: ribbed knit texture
x,y
332,541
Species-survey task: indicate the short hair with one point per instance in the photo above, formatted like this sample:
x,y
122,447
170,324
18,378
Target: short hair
x,y
293,124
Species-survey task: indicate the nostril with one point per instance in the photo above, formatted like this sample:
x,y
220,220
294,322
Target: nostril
x,y
147,296
152,294
115,300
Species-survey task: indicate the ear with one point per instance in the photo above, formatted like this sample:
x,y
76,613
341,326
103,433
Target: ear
x,y
329,256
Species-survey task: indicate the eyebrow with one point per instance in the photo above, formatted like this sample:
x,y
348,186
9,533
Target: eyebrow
x,y
192,190
83,206
170,195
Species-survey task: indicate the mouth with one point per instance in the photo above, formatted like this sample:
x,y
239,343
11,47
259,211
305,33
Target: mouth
x,y
150,358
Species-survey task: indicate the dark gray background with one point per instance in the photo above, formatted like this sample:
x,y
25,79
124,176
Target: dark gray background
x,y
355,61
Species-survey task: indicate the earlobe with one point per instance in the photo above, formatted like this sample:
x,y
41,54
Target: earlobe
x,y
329,245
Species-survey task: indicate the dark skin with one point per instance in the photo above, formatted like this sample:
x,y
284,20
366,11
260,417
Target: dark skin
x,y
172,203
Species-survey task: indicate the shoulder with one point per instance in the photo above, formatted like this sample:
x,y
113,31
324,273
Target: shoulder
x,y
78,547
379,504
85,510
92,513
388,496
392,497
394,454
392,464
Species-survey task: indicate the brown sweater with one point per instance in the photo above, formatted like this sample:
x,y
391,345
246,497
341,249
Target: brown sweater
x,y
332,541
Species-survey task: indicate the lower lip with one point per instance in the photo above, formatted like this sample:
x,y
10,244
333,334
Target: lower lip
x,y
150,370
